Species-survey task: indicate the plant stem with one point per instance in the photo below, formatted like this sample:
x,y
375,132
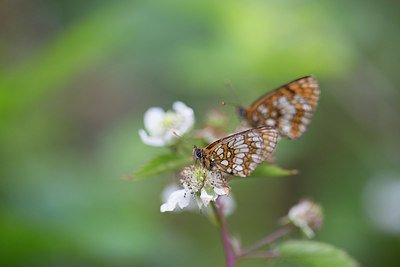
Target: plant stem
x,y
230,256
266,240
259,254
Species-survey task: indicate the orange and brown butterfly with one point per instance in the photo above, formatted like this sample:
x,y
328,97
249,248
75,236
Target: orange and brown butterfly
x,y
289,108
238,154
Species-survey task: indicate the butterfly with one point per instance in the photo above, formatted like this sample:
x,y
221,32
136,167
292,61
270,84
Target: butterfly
x,y
240,153
289,108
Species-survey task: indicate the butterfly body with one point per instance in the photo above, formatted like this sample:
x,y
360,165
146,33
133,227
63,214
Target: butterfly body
x,y
288,108
238,154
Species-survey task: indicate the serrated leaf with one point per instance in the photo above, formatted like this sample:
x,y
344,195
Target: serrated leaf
x,y
305,253
160,164
268,169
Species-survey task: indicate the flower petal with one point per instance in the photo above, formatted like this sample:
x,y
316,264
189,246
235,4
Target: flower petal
x,y
153,120
221,191
169,136
150,140
182,109
168,191
206,198
178,198
186,114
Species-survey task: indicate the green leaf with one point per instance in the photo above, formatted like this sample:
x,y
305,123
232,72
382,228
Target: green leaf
x,y
307,253
268,169
158,165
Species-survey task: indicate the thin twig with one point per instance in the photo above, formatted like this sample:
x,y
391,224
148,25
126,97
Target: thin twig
x,y
259,254
230,256
266,240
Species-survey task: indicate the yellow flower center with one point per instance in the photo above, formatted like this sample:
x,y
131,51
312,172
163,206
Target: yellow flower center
x,y
169,119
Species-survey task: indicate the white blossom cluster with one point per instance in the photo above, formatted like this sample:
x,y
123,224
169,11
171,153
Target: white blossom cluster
x,y
198,184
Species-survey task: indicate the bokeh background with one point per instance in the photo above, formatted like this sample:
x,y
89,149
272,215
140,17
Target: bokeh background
x,y
77,76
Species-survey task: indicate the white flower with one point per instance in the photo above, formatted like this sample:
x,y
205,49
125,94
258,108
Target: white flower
x,y
160,124
198,184
307,216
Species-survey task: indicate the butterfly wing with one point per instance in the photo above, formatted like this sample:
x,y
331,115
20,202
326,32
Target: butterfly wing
x,y
289,108
240,153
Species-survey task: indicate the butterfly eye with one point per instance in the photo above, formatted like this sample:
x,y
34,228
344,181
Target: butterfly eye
x,y
199,154
241,111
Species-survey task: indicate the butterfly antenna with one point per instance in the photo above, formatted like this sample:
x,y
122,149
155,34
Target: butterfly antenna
x,y
187,140
230,88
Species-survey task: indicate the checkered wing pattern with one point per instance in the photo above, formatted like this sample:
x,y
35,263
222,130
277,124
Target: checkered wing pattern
x,y
289,108
240,153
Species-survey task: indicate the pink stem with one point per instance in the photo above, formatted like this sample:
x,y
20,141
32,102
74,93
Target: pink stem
x,y
260,254
267,240
230,256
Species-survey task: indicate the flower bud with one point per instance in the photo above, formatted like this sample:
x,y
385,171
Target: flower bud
x,y
308,216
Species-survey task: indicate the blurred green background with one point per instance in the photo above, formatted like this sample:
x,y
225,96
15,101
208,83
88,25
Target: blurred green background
x,y
76,78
